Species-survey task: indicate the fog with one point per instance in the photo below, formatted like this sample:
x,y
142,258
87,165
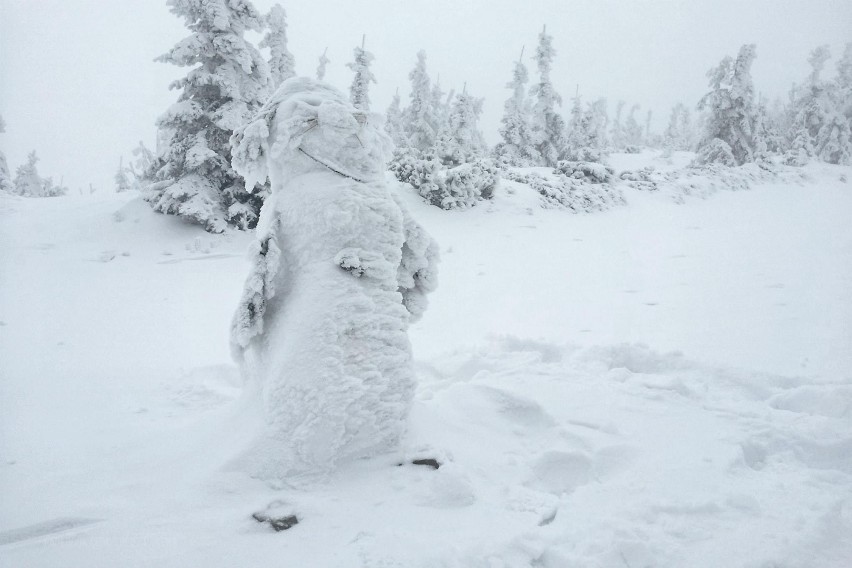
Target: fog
x,y
78,81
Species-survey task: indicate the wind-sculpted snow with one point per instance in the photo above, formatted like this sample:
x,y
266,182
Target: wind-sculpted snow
x,y
339,268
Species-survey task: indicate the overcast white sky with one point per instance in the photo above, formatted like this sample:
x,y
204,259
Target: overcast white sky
x,y
79,85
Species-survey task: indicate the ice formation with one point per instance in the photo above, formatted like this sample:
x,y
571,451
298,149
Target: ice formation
x,y
339,270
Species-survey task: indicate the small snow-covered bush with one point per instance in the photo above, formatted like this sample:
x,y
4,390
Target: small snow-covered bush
x,y
591,172
716,151
458,187
573,194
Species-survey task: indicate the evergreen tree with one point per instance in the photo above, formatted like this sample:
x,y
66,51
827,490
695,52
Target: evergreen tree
x,y
5,177
577,138
323,61
393,123
517,147
646,134
548,125
122,181
420,115
192,176
678,133
812,109
462,141
28,183
359,91
282,65
632,130
729,129
617,133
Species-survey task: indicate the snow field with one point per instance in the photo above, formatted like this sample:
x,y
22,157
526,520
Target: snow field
x,y
564,440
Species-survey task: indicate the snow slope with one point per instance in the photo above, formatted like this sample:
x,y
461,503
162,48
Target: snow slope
x,y
565,440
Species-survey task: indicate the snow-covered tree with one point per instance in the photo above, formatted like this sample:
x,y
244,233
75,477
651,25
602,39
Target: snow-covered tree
x,y
5,177
632,130
678,133
729,129
420,115
282,65
359,91
597,122
650,139
617,136
818,127
462,141
122,179
441,106
547,124
192,176
517,147
393,123
28,183
323,62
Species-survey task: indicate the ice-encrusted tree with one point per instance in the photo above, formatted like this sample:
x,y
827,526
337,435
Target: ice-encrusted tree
x,y
282,64
359,91
323,62
394,124
616,134
649,139
441,106
729,129
122,179
517,147
420,123
462,141
192,175
678,133
632,130
547,124
28,183
5,177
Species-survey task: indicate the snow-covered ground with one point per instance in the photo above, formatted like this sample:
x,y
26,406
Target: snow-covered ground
x,y
657,385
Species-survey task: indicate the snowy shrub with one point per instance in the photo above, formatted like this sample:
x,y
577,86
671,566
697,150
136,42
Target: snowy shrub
x,y
458,187
585,170
630,149
573,194
715,151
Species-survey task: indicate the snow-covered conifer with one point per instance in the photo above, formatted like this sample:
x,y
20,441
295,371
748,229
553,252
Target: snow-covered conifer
x,y
646,133
28,183
359,91
323,62
393,123
192,176
548,125
122,180
420,116
677,135
517,147
462,141
282,64
729,128
812,108
617,132
632,130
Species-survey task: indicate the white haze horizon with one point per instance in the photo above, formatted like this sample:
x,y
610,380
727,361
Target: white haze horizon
x,y
79,84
